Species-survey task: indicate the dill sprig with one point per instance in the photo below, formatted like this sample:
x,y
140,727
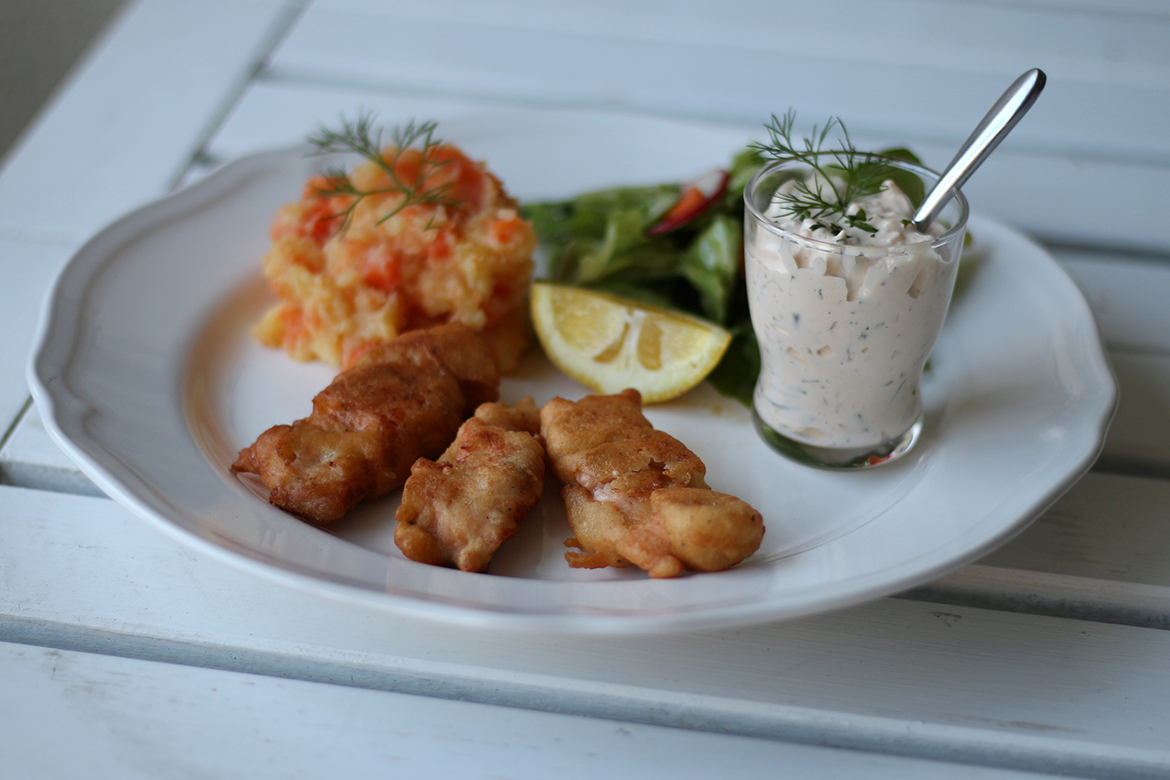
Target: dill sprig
x,y
844,174
361,137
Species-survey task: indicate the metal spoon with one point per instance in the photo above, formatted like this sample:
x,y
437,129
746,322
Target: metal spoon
x,y
999,121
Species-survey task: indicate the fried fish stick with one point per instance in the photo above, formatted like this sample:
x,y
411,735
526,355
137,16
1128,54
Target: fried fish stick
x,y
637,495
459,510
400,401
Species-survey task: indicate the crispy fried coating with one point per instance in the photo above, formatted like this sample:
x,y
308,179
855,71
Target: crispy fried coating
x,y
400,401
458,510
637,495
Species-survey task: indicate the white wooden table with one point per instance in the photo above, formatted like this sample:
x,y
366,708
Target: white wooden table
x,y
124,654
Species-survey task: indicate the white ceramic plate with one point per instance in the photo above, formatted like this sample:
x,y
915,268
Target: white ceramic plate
x,y
147,377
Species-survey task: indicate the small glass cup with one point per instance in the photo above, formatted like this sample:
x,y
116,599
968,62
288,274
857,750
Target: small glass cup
x,y
844,331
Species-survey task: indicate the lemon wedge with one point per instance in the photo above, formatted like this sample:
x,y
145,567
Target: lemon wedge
x,y
610,343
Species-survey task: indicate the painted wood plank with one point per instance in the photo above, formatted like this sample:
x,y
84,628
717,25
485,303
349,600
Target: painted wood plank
x,y
273,114
730,60
27,270
1107,527
737,12
718,63
1128,296
124,718
1102,552
30,458
1027,591
1153,7
1139,439
895,676
126,123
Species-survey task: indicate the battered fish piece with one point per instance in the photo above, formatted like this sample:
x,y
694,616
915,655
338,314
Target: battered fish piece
x,y
400,401
637,495
459,510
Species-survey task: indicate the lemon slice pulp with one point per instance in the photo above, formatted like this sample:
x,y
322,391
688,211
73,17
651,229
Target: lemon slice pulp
x,y
610,343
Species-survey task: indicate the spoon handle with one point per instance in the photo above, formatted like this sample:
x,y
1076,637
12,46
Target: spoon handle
x,y
1000,120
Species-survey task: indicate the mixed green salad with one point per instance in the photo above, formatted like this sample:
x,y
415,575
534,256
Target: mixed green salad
x,y
672,245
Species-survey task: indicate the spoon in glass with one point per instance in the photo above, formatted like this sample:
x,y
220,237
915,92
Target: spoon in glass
x,y
1000,120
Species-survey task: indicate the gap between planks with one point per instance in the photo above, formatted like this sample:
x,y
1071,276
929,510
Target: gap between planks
x,y
1051,595
981,745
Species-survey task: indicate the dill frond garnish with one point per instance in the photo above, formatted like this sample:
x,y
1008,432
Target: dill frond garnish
x,y
843,174
361,137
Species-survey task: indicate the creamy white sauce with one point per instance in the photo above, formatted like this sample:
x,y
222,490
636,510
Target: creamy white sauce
x,y
845,322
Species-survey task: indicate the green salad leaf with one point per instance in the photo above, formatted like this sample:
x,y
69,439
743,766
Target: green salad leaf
x,y
711,264
736,374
